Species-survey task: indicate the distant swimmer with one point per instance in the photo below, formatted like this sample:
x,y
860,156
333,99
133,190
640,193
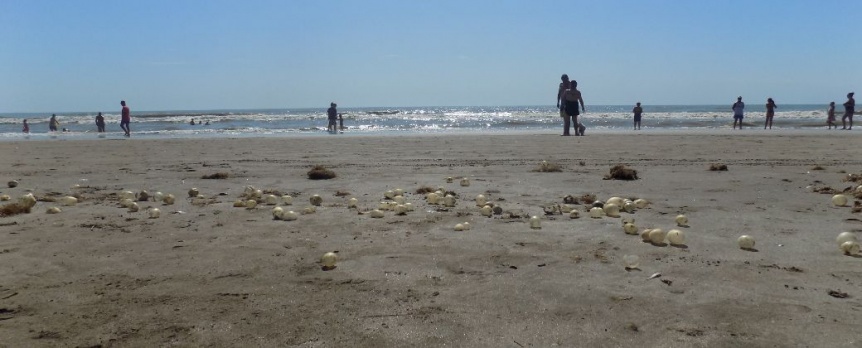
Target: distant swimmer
x,y
100,123
332,116
207,123
770,112
849,107
830,116
192,122
53,124
738,108
26,127
638,111
564,85
125,118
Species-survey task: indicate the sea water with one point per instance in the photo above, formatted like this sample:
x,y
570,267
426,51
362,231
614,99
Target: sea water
x,y
404,120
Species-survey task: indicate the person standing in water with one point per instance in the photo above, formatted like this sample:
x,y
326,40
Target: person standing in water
x,y
830,116
125,118
332,116
738,109
53,124
564,85
26,127
638,111
770,112
340,123
100,123
572,100
849,108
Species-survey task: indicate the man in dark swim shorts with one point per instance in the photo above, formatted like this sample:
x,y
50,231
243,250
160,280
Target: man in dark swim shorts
x,y
572,99
738,108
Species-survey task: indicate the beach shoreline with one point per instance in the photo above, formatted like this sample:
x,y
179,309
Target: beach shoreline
x,y
208,274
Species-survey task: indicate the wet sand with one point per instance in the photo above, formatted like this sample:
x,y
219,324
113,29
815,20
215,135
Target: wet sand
x,y
214,275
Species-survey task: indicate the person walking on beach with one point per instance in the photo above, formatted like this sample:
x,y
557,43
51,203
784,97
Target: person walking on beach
x,y
572,98
125,118
738,108
100,123
849,108
638,111
564,85
53,124
770,112
332,116
830,116
26,127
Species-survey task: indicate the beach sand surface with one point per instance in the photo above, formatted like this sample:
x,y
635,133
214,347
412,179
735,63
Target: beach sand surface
x,y
208,274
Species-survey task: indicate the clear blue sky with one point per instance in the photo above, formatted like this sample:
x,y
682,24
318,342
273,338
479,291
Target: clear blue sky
x,y
87,55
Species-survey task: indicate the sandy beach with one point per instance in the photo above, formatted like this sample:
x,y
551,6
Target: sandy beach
x,y
209,274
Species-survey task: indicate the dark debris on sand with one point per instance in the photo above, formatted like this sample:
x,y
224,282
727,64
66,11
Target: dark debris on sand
x,y
621,172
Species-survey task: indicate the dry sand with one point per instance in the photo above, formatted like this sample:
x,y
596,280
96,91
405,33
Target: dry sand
x,y
214,275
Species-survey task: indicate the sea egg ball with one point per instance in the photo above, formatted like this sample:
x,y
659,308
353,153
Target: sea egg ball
x,y
450,179
398,199
535,222
134,207
154,213
250,204
629,207
257,194
239,203
409,206
846,237
53,210
315,200
459,227
656,236
277,213
596,212
839,200
290,215
641,203
745,242
681,220
614,200
351,203
309,210
328,260
565,208
5,197
850,248
432,198
158,196
630,228
400,209
68,201
574,214
376,213
193,192
645,234
467,226
486,211
449,201
465,182
612,210
287,199
631,261
627,220
127,194
143,196
389,194
676,237
169,199
398,192
270,200
383,205
125,202
481,200
497,210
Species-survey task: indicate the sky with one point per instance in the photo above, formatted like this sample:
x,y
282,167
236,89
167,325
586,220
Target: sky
x,y
87,55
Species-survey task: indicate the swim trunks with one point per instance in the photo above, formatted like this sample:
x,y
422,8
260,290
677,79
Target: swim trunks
x,y
572,108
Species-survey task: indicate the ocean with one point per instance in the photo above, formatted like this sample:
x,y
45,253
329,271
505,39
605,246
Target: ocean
x,y
405,120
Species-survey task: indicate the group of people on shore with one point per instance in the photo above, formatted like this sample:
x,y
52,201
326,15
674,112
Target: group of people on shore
x,y
125,120
571,104
336,121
